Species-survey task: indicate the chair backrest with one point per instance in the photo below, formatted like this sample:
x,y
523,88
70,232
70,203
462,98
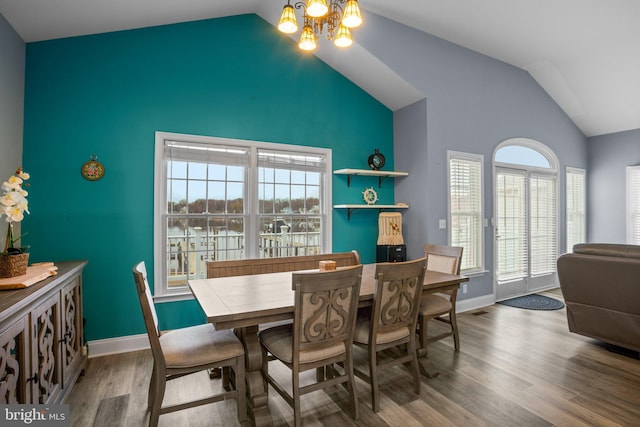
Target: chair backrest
x,y
397,298
442,258
248,266
326,305
148,309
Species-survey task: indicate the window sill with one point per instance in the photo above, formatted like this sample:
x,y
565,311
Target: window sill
x,y
475,273
183,296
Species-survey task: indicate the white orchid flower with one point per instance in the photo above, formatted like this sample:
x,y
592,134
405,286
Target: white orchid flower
x,y
6,200
15,180
10,186
14,214
23,175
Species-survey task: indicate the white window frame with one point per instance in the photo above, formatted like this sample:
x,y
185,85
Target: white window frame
x,y
480,262
572,211
633,205
162,293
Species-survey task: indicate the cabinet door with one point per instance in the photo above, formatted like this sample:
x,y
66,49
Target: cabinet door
x,y
46,350
71,342
15,378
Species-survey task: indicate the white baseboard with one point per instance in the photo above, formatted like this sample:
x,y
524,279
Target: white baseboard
x,y
108,346
475,303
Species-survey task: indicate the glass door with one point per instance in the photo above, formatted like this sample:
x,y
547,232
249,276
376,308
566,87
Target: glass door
x,y
511,232
525,227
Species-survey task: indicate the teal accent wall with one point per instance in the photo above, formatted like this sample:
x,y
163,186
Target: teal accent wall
x,y
107,94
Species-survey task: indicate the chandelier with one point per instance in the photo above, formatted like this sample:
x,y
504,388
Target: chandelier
x,y
316,15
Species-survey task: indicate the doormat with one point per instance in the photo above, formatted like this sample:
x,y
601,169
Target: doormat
x,y
534,302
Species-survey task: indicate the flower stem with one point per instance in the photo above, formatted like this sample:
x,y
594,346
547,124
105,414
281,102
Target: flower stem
x,y
9,238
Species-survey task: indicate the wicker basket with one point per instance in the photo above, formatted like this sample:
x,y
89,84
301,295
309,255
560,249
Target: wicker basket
x,y
13,265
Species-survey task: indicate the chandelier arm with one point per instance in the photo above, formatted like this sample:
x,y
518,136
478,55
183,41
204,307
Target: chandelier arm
x,y
333,19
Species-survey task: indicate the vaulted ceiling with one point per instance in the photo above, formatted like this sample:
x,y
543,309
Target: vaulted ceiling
x,y
584,53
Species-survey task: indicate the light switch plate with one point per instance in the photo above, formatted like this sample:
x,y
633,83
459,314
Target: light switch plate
x,y
442,224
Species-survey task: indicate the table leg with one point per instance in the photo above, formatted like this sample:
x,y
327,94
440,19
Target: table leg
x,y
257,397
427,368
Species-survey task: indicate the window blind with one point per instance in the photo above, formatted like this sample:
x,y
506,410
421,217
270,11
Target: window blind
x,y
543,224
633,205
576,207
465,207
511,226
289,160
206,153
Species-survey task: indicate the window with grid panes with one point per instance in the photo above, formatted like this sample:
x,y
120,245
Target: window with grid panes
x,y
466,208
576,207
223,199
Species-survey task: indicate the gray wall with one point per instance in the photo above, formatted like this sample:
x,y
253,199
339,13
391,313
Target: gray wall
x,y
473,102
609,155
410,130
12,60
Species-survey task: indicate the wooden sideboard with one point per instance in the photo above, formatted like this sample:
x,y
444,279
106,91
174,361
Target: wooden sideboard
x,y
41,338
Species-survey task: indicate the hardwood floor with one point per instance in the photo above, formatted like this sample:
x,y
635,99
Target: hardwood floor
x,y
515,368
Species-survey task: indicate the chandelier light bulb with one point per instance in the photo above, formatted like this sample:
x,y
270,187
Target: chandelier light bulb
x,y
288,23
317,8
307,39
343,37
352,17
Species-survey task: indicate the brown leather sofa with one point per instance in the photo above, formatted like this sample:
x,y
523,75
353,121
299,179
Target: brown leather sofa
x,y
601,287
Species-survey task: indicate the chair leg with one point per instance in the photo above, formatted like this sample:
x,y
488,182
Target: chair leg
x,y
351,387
454,328
152,386
158,395
415,369
241,388
295,383
225,378
422,320
373,375
265,369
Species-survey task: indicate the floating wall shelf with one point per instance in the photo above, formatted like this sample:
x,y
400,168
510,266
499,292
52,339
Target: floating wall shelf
x,y
368,172
351,207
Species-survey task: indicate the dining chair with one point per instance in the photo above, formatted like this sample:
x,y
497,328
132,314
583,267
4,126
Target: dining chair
x,y
391,322
325,308
440,307
185,351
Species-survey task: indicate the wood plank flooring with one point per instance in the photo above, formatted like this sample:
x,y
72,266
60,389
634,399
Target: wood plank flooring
x,y
515,368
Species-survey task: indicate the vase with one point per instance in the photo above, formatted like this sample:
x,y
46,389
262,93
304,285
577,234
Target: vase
x,y
12,265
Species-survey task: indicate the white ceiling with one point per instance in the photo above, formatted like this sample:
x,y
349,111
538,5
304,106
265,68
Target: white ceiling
x,y
584,53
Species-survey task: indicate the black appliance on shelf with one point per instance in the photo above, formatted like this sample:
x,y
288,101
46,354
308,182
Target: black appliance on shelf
x,y
391,253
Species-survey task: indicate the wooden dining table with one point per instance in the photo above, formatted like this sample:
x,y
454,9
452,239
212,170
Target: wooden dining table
x,y
243,303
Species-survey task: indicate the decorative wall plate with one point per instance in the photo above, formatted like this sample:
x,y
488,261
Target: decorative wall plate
x,y
93,170
370,196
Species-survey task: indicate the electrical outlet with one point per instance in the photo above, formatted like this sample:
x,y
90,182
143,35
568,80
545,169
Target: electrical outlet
x,y
464,288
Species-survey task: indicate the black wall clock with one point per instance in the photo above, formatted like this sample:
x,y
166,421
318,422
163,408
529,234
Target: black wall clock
x,y
376,160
